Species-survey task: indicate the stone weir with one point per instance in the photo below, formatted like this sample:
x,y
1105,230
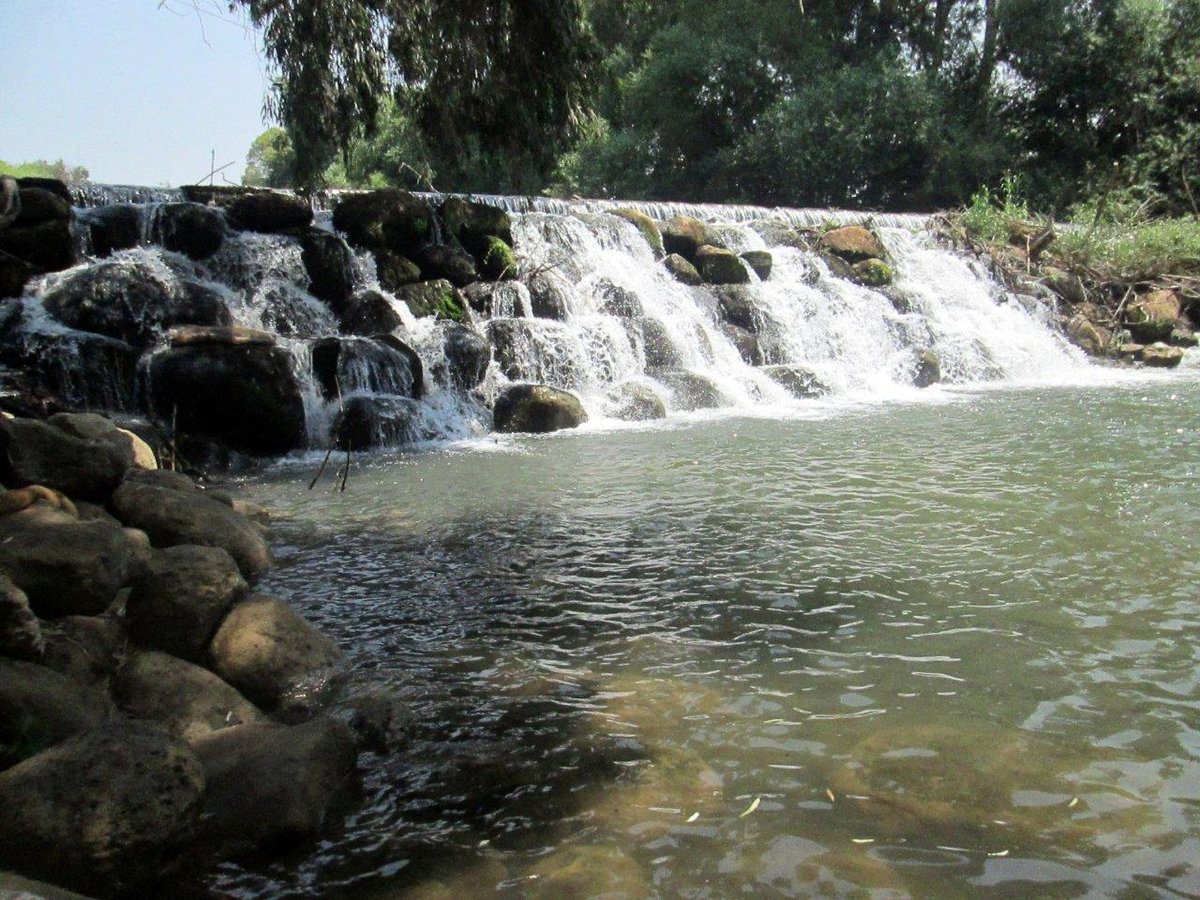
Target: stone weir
x,y
240,320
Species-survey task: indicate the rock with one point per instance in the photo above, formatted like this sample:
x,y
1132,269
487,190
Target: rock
x,y
189,228
685,235
468,355
496,260
39,206
265,649
746,343
65,567
172,517
10,200
433,298
928,368
717,266
329,263
271,784
496,299
1151,331
873,273
112,228
383,365
20,632
33,452
468,221
388,219
853,243
588,871
246,396
760,261
268,211
1093,340
394,271
660,350
369,312
616,300
231,336
90,426
1183,337
647,227
633,401
87,649
133,301
40,708
447,261
186,701
55,186
549,296
48,247
737,306
537,409
16,500
1066,285
1160,356
1158,305
84,371
778,233
180,597
535,351
14,275
801,382
691,391
14,887
366,422
682,270
102,812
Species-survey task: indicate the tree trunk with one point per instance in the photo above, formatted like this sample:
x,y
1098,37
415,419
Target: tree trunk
x,y
987,56
941,23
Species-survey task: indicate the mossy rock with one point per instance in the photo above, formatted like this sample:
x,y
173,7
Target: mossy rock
x,y
853,243
719,266
873,273
928,368
389,219
537,409
498,261
466,219
685,235
433,298
760,261
394,271
646,226
683,270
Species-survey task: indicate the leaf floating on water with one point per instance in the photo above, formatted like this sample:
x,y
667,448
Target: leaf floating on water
x,y
862,840
751,808
999,853
693,817
1074,803
829,794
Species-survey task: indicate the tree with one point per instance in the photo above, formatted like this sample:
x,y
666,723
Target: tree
x,y
271,161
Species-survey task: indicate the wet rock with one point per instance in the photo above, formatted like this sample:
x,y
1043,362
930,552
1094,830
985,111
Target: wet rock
x,y
87,649
801,382
103,812
466,220
10,200
271,784
549,296
588,871
746,343
647,227
369,312
172,517
90,426
366,422
682,270
180,597
185,700
14,275
449,262
632,401
718,266
14,887
1065,285
65,567
873,273
382,365
133,301
232,336
616,300
192,229
20,632
1088,336
245,396
468,355
691,391
1159,356
778,233
268,211
39,206
660,350
760,261
265,649
40,708
737,307
433,298
685,235
80,370
537,409
19,499
55,186
112,228
394,271
927,368
290,311
48,247
329,263
853,243
493,299
388,219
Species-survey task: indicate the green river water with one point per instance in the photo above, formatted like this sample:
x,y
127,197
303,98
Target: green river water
x,y
941,648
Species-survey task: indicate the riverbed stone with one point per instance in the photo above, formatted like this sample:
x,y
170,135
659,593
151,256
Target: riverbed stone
x,y
588,871
659,349
873,273
369,312
549,296
927,368
20,632
268,211
113,228
329,263
91,426
265,649
195,230
40,708
390,219
270,784
761,261
468,355
1093,339
87,649
180,597
185,700
853,243
691,390
447,261
48,247
682,270
746,343
1160,356
364,422
719,266
737,306
647,226
800,381
633,401
537,409
172,517
103,812
685,235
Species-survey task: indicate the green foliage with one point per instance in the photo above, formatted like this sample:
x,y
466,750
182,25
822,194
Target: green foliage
x,y
990,217
498,260
271,161
449,307
1135,251
39,168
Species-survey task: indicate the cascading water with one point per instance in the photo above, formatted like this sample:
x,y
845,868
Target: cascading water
x,y
595,313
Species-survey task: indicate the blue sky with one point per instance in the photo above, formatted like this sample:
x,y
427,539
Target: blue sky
x,y
136,93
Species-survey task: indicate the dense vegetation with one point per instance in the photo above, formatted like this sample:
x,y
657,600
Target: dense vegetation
x,y
39,168
898,104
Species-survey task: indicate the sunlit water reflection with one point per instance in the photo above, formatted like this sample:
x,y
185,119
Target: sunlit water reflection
x,y
934,649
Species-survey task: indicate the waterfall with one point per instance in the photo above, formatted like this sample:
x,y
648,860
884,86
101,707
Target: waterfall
x,y
592,311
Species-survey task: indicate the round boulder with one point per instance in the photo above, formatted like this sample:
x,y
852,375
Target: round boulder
x,y
632,401
20,632
389,219
685,235
269,211
369,312
468,355
329,263
718,266
853,243
192,229
537,409
40,708
760,261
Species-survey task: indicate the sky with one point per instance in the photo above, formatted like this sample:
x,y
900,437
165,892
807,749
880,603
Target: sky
x,y
136,91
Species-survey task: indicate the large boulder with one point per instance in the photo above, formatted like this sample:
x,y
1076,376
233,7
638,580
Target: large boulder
x,y
87,649
1092,338
65,566
801,382
737,306
682,270
266,649
268,211
180,597
75,369
685,235
495,299
133,300
389,219
633,401
375,421
369,312
382,365
433,298
93,427
393,271
646,226
246,396
183,699
719,266
468,355
447,261
268,785
20,631
761,261
40,708
47,247
660,350
927,368
39,205
329,263
468,221
1160,356
746,342
549,296
33,452
496,259
853,243
14,275
691,390
1155,316
103,812
192,229
172,517
112,228
537,409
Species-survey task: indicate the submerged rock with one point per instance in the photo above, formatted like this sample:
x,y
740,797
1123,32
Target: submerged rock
x,y
40,708
928,368
760,261
633,401
382,365
375,421
549,296
369,312
537,409
746,343
433,298
738,307
800,381
691,390
468,355
112,228
682,270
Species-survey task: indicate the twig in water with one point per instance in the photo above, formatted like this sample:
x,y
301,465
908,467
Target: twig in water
x,y
328,453
346,470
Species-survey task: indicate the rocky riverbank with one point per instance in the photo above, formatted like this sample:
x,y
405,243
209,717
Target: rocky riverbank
x,y
155,710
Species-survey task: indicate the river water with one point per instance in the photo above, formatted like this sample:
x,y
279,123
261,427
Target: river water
x,y
943,646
